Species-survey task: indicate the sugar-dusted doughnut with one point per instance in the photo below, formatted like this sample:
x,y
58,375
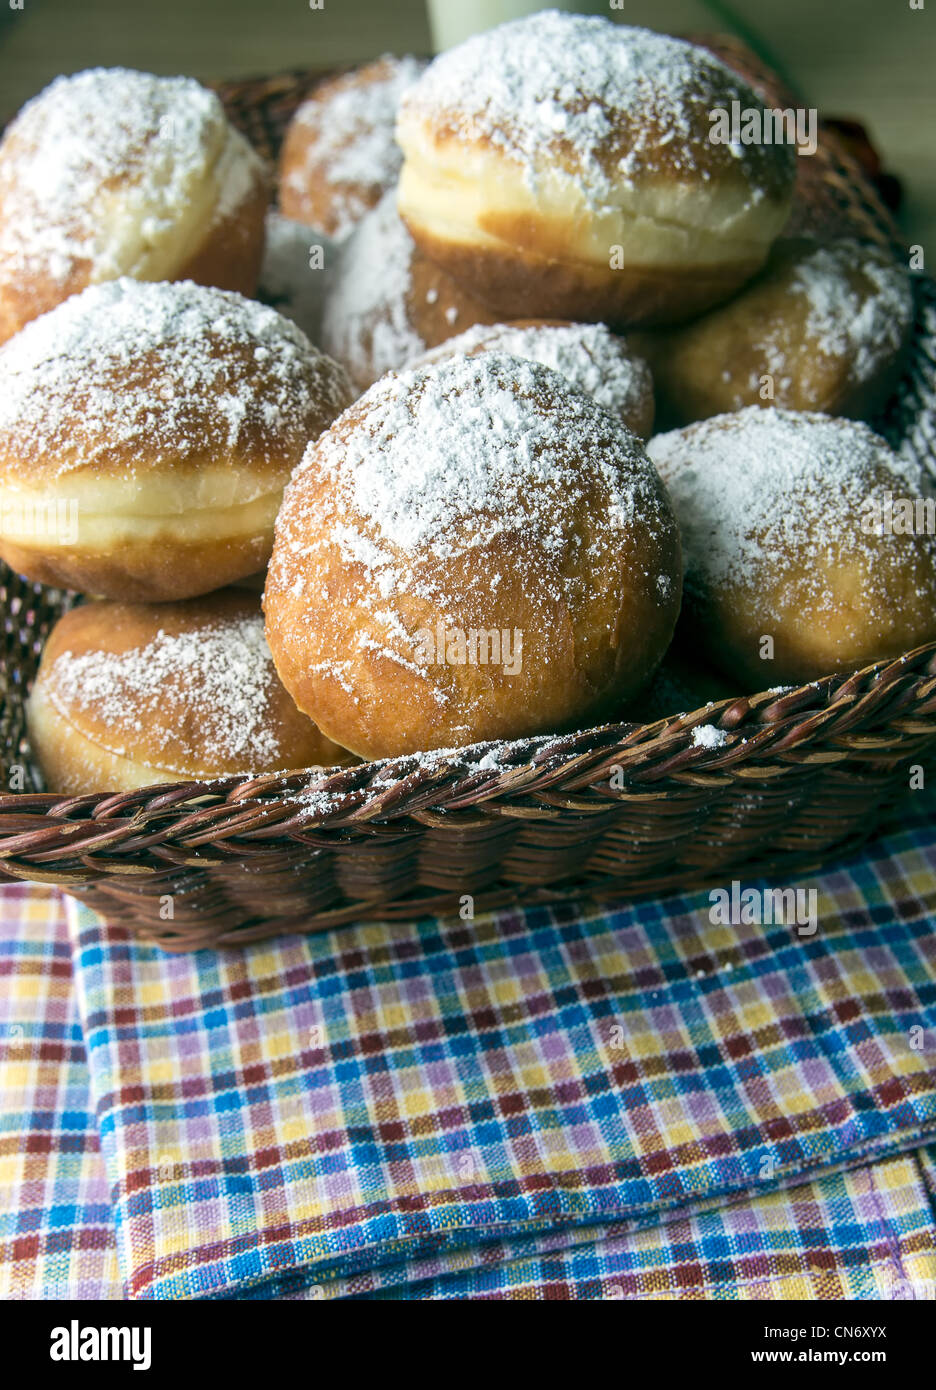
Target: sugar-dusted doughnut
x,y
806,543
146,434
111,172
562,167
474,550
823,327
297,265
386,302
588,355
340,154
132,694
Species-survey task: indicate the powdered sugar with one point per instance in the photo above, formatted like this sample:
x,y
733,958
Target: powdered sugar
x,y
613,102
366,322
708,736
766,493
287,279
860,324
351,136
866,328
171,367
474,441
319,802
590,357
220,675
452,456
99,166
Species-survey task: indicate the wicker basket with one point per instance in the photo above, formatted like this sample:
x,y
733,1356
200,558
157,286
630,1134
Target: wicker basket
x,y
612,812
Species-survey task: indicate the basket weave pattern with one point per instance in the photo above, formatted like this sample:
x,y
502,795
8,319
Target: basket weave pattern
x,y
612,812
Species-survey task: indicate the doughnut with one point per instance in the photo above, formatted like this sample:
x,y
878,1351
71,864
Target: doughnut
x,y
130,694
561,165
339,153
387,303
588,355
146,433
297,264
799,562
474,550
111,172
821,328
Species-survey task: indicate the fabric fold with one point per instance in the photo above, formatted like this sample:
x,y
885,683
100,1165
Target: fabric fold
x,y
396,1106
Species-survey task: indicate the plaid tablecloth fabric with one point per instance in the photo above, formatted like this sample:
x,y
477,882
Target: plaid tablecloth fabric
x,y
567,1103
56,1221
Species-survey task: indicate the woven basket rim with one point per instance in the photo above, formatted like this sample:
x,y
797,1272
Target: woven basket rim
x,y
454,780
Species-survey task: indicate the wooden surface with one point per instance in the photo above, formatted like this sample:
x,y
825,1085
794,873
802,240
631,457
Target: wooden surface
x,y
875,59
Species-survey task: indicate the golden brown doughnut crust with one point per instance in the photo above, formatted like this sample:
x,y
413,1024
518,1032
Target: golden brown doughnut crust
x,y
786,578
151,570
146,434
232,252
562,166
438,306
821,328
516,282
133,694
549,524
110,172
339,154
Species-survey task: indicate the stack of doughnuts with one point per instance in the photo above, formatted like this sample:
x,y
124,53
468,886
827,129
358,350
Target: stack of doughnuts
x,y
167,418
563,165
525,255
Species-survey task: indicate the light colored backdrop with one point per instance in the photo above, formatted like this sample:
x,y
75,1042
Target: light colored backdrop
x,y
870,58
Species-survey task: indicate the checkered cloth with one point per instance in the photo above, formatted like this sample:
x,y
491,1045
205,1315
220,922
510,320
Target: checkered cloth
x,y
548,1103
56,1220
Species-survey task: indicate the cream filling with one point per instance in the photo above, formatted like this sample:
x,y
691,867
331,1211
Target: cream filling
x,y
148,240
103,515
663,222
